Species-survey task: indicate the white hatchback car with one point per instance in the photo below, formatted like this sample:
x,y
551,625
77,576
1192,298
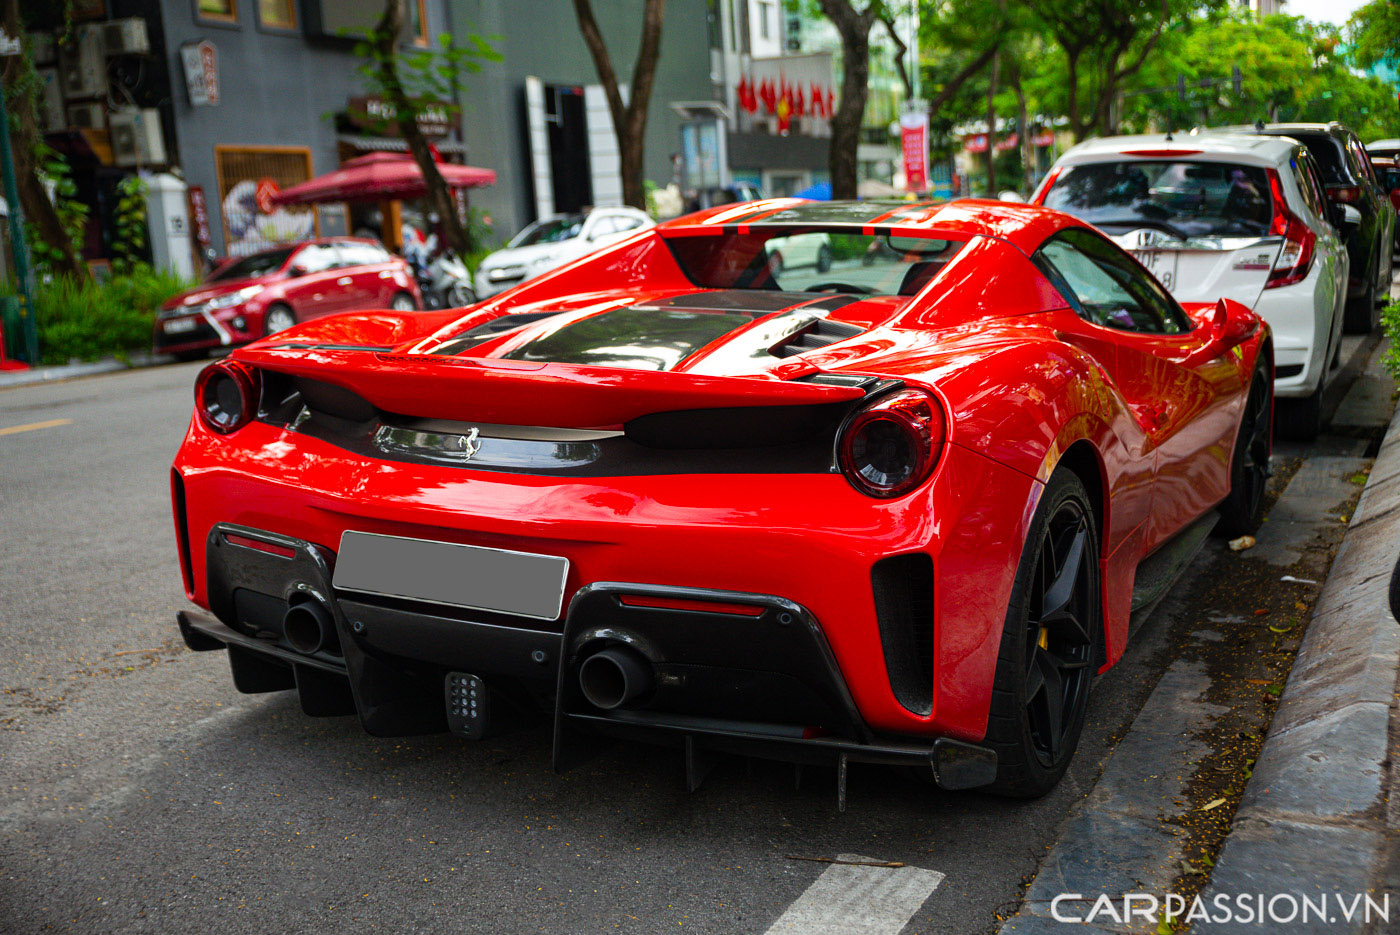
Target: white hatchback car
x,y
553,241
1226,215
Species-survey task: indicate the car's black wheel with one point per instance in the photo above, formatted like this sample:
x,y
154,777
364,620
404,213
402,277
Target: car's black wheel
x,y
278,318
1243,510
1049,644
1299,419
403,302
1361,316
823,258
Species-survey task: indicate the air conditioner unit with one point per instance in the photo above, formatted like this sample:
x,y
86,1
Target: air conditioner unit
x,y
87,116
137,139
81,66
50,114
126,37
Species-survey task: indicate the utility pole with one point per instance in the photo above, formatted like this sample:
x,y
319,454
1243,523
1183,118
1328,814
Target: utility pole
x,y
24,277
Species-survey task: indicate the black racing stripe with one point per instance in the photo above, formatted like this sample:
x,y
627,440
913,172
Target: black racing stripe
x,y
832,303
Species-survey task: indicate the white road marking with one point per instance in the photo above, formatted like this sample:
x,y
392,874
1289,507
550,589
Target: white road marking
x,y
858,900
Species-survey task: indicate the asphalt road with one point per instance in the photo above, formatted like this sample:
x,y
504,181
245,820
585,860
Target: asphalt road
x,y
144,794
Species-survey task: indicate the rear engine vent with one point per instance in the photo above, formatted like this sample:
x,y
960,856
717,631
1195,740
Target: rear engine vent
x,y
488,330
819,333
903,588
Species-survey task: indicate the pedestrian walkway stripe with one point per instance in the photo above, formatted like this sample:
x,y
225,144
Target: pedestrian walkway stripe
x,y
856,900
32,426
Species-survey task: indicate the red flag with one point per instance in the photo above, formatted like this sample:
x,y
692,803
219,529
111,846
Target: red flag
x,y
769,95
784,108
799,104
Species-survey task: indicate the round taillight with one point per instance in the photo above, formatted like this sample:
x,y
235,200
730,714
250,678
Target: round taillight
x,y
890,447
226,396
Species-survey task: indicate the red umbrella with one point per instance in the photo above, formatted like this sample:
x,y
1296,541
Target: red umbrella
x,y
379,177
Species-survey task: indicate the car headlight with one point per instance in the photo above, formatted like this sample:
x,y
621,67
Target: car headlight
x,y
234,298
505,272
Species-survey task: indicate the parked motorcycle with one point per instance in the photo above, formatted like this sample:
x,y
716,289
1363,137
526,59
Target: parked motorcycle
x,y
444,281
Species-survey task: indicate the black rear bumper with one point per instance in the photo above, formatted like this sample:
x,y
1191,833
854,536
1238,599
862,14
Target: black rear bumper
x,y
763,683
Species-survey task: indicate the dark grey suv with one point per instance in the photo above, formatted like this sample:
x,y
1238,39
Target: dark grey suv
x,y
1351,179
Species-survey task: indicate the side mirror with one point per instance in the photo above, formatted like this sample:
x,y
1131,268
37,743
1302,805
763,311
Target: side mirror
x,y
1349,219
296,270
1231,325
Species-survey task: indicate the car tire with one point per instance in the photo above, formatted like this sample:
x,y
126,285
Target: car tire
x,y
1361,316
823,258
1033,736
1243,510
403,302
277,318
1299,419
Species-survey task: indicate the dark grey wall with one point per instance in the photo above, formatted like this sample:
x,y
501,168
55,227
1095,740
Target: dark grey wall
x,y
276,89
541,38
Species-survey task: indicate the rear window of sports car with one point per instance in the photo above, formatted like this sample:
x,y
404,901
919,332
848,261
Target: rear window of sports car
x,y
787,260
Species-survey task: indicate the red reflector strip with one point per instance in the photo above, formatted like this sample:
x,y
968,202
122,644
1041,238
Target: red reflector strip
x,y
677,603
268,547
1161,153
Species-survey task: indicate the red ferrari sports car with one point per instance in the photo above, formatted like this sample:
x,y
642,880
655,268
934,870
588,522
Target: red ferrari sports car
x,y
896,511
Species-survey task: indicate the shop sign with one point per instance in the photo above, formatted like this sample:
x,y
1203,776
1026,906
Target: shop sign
x,y
913,137
377,115
199,218
201,61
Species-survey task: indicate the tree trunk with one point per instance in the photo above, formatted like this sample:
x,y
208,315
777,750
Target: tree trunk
x,y
629,119
35,205
992,126
855,88
901,52
440,197
1028,166
1080,131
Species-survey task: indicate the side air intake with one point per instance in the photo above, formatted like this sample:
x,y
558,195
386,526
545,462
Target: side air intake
x,y
903,587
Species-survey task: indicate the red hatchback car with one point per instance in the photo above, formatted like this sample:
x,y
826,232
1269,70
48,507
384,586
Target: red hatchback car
x,y
254,296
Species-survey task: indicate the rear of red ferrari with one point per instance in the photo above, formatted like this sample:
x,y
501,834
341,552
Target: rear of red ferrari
x,y
812,569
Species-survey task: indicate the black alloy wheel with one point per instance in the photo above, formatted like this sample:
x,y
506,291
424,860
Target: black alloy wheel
x,y
1050,644
1243,510
1059,644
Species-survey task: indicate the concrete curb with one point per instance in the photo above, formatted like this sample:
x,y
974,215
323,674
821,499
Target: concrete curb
x,y
1312,820
58,372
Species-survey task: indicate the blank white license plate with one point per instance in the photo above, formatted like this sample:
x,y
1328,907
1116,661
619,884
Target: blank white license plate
x,y
179,325
456,575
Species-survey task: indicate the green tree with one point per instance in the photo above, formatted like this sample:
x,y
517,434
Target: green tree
x,y
1374,31
1105,43
55,240
410,82
853,24
629,118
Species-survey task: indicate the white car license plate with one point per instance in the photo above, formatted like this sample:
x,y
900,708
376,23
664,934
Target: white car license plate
x,y
180,325
467,576
1161,263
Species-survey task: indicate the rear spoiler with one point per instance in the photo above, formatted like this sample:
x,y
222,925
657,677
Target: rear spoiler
x,y
511,392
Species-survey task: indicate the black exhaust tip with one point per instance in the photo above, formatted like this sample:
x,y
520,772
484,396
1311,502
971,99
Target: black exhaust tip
x,y
310,628
615,677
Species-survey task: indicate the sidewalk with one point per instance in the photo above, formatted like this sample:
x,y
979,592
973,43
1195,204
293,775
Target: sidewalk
x,y
9,378
1317,816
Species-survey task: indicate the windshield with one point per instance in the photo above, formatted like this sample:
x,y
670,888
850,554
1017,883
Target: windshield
x,y
259,264
550,230
812,261
1182,199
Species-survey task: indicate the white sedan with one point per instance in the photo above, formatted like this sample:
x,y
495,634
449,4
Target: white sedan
x,y
553,241
1235,215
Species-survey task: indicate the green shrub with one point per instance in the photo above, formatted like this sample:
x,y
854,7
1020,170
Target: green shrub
x,y
87,320
1390,321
